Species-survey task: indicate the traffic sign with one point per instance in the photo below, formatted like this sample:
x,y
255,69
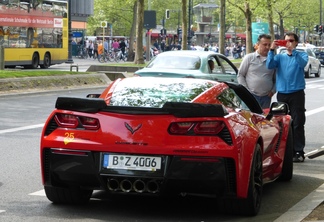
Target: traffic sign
x,y
103,24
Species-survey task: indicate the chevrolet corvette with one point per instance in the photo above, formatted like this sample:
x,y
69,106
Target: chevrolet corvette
x,y
165,137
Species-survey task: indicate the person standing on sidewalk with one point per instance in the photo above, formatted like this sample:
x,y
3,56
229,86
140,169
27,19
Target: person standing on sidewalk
x,y
100,49
290,85
254,75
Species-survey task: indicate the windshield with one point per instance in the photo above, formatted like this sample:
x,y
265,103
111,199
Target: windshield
x,y
155,94
175,62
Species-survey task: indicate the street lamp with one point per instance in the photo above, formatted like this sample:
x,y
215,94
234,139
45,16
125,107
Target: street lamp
x,y
189,22
70,60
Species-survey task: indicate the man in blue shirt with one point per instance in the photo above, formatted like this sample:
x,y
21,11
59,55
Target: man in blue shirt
x,y
290,85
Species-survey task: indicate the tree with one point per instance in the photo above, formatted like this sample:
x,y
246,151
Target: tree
x,y
139,33
247,10
222,27
184,43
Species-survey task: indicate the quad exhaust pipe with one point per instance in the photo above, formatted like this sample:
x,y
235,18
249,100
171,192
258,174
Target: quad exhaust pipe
x,y
139,186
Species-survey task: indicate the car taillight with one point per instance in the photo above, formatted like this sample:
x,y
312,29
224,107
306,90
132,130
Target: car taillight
x,y
180,128
73,121
66,120
196,128
212,127
89,123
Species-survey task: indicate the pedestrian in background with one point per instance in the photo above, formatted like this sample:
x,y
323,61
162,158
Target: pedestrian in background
x,y
255,76
95,49
100,49
122,46
290,85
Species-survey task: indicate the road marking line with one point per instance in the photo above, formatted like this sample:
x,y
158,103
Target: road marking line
x,y
314,111
21,128
38,193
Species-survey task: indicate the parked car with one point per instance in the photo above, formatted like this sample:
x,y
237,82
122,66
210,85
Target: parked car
x,y
166,136
319,52
190,64
313,66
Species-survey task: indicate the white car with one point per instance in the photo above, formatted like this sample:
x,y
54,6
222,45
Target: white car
x,y
313,66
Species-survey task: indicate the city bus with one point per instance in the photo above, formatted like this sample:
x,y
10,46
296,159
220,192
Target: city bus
x,y
34,33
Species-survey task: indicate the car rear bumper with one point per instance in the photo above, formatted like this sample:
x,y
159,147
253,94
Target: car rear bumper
x,y
178,174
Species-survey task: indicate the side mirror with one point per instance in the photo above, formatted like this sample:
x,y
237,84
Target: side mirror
x,y
278,108
93,95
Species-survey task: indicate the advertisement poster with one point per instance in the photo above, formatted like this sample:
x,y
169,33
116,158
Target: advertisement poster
x,y
259,28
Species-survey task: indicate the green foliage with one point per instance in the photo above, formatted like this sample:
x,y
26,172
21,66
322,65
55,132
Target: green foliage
x,y
291,14
34,73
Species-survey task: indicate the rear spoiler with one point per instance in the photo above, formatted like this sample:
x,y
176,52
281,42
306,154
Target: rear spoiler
x,y
178,109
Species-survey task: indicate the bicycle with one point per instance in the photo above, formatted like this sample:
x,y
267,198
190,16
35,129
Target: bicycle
x,y
122,56
82,52
115,55
104,57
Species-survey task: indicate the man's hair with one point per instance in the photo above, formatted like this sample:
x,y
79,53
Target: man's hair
x,y
264,36
293,34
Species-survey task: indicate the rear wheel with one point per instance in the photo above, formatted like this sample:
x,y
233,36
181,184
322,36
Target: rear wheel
x,y
72,195
318,74
47,61
249,206
308,72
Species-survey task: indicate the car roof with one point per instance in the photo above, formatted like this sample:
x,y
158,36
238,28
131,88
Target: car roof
x,y
188,52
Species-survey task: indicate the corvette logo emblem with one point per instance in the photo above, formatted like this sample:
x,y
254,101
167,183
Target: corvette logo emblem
x,y
132,130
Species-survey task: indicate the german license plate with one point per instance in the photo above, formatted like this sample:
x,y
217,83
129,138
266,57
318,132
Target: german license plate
x,y
130,162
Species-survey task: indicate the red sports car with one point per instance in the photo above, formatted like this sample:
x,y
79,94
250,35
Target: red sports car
x,y
166,136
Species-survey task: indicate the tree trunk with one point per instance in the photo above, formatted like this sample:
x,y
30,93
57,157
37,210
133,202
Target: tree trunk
x,y
222,27
139,33
248,15
270,18
184,43
131,54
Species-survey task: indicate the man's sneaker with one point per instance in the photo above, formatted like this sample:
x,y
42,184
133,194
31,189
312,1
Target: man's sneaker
x,y
299,157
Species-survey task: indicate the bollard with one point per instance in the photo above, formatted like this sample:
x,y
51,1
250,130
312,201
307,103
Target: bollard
x,y
2,61
76,66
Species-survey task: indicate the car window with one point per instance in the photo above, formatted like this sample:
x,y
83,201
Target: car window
x,y
176,62
157,93
231,100
222,66
310,53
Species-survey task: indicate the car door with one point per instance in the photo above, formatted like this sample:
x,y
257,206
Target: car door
x,y
224,69
313,60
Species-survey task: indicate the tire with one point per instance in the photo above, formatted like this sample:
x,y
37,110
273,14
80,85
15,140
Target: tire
x,y
318,74
74,195
47,61
308,72
101,59
35,61
251,205
287,166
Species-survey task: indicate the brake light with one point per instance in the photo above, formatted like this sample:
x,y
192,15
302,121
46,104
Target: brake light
x,y
73,121
212,127
66,120
196,128
180,128
89,123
